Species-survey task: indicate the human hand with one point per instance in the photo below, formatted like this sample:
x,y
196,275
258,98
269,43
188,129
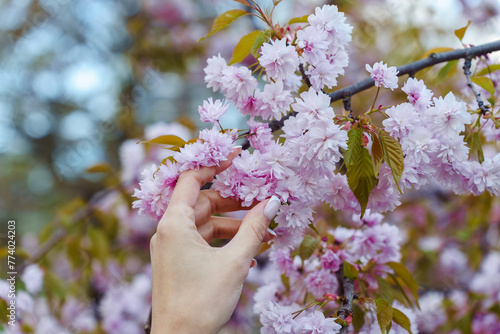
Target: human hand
x,y
196,286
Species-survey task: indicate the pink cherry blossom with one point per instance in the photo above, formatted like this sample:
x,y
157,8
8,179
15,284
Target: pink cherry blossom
x,y
212,111
383,76
279,59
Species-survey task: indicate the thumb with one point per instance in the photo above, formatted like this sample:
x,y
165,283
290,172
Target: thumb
x,y
253,228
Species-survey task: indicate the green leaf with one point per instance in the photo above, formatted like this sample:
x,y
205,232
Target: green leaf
x,y
224,20
385,290
73,253
406,276
350,271
384,314
485,83
491,101
401,319
465,324
103,167
244,47
476,146
53,285
166,140
358,317
393,154
360,171
377,153
302,19
461,32
286,281
99,244
261,39
446,71
308,246
487,70
312,227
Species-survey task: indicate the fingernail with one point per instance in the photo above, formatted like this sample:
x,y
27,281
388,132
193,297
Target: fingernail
x,y
271,232
272,207
253,264
238,147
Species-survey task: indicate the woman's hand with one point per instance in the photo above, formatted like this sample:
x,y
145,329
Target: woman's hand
x,y
196,286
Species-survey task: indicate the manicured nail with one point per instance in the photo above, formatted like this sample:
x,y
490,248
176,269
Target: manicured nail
x,y
238,147
272,207
271,232
253,264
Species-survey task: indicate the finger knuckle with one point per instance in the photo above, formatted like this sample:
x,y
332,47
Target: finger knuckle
x,y
259,229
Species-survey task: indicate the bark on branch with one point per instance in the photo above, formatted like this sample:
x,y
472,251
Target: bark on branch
x,y
347,290
412,68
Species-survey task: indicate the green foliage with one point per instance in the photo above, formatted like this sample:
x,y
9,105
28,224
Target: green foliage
x,y
485,83
476,146
308,246
99,244
377,153
358,317
360,170
102,167
401,319
446,71
350,271
244,46
384,314
402,272
224,20
259,40
393,155
385,290
165,140
461,32
487,70
73,251
301,19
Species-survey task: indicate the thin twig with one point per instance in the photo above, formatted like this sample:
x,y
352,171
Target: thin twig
x,y
412,68
467,72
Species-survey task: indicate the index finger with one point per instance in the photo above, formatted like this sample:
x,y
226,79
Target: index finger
x,y
188,185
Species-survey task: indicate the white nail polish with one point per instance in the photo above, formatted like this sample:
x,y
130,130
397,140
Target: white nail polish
x,y
271,231
272,207
239,146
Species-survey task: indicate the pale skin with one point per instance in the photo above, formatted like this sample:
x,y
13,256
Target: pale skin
x,y
196,286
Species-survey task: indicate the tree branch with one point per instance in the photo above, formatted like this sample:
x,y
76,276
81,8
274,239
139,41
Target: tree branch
x,y
305,77
467,73
412,68
347,289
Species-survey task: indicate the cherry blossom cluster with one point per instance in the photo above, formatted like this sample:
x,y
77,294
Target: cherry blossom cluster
x,y
368,247
435,150
156,188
